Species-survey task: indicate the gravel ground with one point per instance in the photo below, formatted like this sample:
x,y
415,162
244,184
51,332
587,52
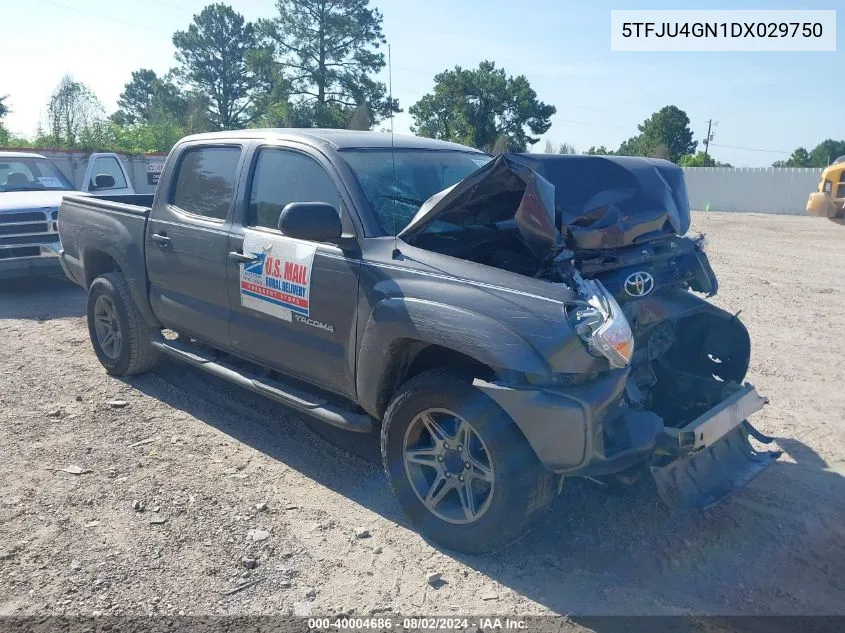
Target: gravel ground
x,y
178,483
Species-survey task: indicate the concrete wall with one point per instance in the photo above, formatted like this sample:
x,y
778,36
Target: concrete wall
x,y
763,189
74,164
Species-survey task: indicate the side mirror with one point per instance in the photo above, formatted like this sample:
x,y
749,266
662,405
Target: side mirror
x,y
314,221
103,181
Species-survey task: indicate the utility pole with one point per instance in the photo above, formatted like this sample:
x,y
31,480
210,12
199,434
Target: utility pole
x,y
707,140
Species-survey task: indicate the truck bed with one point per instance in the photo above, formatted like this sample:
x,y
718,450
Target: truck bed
x,y
131,199
130,203
94,227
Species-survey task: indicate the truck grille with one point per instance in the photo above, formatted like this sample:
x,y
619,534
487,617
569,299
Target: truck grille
x,y
24,229
26,251
26,216
22,232
20,240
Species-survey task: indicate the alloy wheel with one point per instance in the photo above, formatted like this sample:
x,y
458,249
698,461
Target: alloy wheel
x,y
107,327
449,466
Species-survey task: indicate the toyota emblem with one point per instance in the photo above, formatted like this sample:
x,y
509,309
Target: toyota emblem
x,y
639,284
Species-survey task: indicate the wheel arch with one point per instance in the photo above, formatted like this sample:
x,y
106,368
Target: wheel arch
x,y
405,337
100,259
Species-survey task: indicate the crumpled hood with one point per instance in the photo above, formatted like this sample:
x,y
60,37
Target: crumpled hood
x,y
23,200
576,202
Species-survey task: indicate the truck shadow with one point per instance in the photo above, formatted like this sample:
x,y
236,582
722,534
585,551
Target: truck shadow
x,y
777,547
41,298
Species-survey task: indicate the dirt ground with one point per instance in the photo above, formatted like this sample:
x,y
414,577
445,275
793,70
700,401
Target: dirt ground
x,y
203,458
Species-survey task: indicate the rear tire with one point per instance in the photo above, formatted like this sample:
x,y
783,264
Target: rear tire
x,y
121,338
496,483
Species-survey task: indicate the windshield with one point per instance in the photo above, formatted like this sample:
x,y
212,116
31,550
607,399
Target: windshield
x,y
31,174
419,174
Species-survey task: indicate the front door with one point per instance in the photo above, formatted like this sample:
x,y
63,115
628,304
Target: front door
x,y
293,301
187,244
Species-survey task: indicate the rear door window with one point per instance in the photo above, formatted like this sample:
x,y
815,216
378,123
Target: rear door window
x,y
205,181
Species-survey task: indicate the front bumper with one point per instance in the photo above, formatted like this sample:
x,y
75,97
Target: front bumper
x,y
583,430
588,430
47,263
711,457
823,205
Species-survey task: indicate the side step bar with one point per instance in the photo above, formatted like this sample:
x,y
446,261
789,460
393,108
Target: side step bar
x,y
276,390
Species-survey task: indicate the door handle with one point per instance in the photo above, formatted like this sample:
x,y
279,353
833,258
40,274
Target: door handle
x,y
162,240
241,258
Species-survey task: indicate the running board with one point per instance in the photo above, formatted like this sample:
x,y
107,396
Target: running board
x,y
288,395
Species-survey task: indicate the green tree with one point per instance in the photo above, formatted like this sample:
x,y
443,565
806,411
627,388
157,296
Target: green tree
x,y
826,152
665,134
601,150
148,97
821,155
799,158
72,109
4,110
329,50
138,138
478,107
150,100
271,105
700,159
213,61
563,148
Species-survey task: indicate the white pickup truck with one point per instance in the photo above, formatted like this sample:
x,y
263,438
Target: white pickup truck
x,y
31,190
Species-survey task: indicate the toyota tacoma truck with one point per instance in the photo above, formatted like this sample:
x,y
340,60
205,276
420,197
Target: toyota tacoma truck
x,y
31,190
501,322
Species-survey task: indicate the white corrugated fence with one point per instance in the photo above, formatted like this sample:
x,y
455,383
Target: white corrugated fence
x,y
751,189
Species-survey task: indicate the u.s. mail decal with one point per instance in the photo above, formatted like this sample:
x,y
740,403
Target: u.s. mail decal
x,y
278,283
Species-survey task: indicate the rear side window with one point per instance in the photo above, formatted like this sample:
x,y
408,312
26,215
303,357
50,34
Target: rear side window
x,y
107,166
282,177
205,181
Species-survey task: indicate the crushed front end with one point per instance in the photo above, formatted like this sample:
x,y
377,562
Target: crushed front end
x,y
670,394
677,407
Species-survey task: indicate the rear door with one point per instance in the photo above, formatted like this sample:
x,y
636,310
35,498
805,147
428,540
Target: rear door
x,y
294,306
187,241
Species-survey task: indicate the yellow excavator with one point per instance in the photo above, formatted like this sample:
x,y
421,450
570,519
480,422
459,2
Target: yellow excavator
x,y
829,200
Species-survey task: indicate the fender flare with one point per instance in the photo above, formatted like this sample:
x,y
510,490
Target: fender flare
x,y
130,260
398,321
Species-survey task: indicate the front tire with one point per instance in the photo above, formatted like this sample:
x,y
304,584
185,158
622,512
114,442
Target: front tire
x,y
121,338
460,468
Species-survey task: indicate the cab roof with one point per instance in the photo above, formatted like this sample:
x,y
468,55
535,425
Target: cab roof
x,y
336,139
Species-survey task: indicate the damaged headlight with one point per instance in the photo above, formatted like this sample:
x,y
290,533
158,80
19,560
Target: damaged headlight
x,y
600,323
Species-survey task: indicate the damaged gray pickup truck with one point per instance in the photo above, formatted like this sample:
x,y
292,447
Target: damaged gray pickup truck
x,y
502,322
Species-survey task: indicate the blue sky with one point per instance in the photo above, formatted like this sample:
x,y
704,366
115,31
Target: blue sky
x,y
762,101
